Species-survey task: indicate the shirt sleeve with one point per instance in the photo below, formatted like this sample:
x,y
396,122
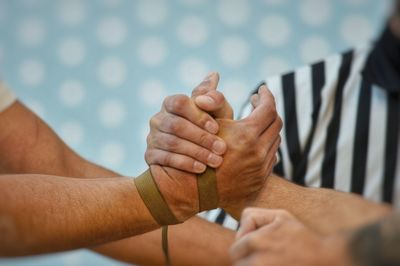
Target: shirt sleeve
x,y
7,97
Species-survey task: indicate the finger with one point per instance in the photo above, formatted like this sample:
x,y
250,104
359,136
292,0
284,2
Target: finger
x,y
171,143
271,158
253,218
173,160
208,84
215,103
183,106
255,100
184,129
264,113
249,244
268,137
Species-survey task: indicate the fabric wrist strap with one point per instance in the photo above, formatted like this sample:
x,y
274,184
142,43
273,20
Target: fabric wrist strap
x,y
207,188
156,204
154,200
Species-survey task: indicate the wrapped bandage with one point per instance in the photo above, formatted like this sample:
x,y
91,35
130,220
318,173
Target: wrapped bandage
x,y
159,209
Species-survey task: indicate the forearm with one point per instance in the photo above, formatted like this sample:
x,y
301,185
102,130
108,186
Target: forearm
x,y
195,242
50,213
324,210
29,145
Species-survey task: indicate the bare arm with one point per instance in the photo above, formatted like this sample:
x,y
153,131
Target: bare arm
x,y
30,146
42,213
324,210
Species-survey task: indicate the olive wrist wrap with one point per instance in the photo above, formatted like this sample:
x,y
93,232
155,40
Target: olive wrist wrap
x,y
159,209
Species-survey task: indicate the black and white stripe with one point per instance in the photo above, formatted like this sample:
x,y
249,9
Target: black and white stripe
x,y
340,130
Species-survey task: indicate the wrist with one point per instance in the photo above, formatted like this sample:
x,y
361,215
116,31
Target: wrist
x,y
181,197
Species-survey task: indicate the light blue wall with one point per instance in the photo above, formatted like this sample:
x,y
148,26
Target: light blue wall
x,y
96,71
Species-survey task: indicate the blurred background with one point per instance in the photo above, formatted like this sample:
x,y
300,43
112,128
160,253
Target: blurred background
x,y
96,71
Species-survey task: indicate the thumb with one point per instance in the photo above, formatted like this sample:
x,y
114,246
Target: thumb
x,y
254,218
214,102
209,83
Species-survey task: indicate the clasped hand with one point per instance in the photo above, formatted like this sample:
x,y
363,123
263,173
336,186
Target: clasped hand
x,y
190,133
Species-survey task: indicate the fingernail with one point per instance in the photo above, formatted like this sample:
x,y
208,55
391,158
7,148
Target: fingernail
x,y
262,87
214,160
199,167
218,147
205,99
208,77
211,127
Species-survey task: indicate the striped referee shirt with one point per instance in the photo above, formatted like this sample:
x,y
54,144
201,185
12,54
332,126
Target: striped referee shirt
x,y
341,123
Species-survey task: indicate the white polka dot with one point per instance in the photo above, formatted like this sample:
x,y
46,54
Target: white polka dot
x,y
272,66
356,29
32,72
72,52
111,31
234,51
152,92
315,12
72,12
193,31
112,72
314,48
152,51
31,31
112,154
112,113
72,133
235,90
274,30
192,71
153,12
234,12
72,93
36,107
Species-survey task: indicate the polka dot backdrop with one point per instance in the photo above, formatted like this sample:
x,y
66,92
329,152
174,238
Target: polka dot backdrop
x,y
96,71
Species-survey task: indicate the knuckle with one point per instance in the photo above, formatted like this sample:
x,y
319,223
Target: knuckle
x,y
154,121
206,140
201,154
171,124
279,122
166,160
177,103
284,213
148,156
171,142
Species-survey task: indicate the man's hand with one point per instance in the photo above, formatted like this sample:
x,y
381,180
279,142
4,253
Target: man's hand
x,y
182,136
275,237
250,144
